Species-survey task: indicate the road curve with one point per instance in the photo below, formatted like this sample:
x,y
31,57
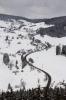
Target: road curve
x,y
47,74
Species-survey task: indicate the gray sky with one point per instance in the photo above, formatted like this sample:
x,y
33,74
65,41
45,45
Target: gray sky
x,y
34,8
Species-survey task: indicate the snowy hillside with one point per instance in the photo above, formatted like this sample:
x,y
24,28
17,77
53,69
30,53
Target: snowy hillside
x,y
19,37
51,63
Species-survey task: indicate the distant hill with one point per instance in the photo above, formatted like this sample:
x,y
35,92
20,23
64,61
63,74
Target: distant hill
x,y
9,17
55,20
58,30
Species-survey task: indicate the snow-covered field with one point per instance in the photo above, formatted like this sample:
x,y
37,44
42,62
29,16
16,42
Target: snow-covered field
x,y
14,37
51,63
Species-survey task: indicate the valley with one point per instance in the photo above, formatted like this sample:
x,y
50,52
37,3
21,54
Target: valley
x,y
32,57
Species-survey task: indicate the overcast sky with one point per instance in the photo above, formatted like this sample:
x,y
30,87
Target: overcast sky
x,y
34,8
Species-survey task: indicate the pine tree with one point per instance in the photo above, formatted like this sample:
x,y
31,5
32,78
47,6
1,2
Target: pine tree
x,y
58,50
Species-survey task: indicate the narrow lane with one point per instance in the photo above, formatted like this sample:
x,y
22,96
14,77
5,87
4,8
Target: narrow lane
x,y
45,73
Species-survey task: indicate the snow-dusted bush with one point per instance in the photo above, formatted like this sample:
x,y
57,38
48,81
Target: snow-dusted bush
x,y
32,68
64,50
6,59
58,50
31,60
23,59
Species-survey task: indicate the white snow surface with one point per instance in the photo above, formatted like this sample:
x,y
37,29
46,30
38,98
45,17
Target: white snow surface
x,y
51,63
46,60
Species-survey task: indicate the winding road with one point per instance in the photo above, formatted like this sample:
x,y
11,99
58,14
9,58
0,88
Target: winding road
x,y
45,73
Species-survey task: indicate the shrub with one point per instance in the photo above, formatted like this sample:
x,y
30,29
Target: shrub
x,y
58,50
6,59
64,50
31,60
